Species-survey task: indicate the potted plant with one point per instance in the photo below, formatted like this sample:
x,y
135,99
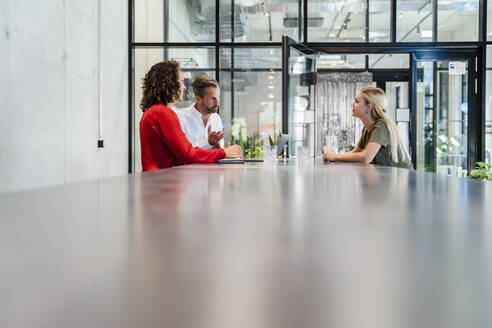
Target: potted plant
x,y
482,171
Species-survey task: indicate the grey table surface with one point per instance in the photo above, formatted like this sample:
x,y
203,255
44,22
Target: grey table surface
x,y
324,245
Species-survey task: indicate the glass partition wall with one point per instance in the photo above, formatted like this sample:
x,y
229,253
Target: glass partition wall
x,y
301,104
321,88
488,106
250,80
442,111
239,43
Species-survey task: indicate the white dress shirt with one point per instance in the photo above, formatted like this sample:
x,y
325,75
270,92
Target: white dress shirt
x,y
192,125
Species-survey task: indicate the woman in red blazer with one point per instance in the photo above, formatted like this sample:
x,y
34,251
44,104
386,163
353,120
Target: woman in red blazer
x,y
163,143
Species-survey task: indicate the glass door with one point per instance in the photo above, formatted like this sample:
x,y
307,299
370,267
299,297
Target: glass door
x,y
298,96
443,100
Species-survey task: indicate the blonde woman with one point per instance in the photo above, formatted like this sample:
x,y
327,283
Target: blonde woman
x,y
380,142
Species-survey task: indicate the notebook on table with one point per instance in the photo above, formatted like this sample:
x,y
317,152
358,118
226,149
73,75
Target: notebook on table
x,y
231,161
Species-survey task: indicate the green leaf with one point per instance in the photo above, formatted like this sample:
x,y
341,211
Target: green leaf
x,y
477,174
482,171
480,165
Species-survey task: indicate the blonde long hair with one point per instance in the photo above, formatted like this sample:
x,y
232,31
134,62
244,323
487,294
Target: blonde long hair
x,y
377,98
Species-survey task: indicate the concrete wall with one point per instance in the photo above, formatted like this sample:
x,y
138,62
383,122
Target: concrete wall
x,y
49,92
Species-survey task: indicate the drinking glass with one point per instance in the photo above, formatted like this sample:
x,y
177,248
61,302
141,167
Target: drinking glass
x,y
303,155
270,155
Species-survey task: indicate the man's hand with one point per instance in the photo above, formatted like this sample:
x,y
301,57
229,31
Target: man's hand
x,y
214,137
233,151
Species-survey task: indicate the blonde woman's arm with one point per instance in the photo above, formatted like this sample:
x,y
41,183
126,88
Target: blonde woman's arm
x,y
356,149
363,156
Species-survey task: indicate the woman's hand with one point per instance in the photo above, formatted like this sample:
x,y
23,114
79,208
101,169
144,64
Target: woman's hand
x,y
233,151
330,156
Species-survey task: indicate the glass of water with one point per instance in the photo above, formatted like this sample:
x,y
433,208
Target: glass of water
x,y
270,155
303,155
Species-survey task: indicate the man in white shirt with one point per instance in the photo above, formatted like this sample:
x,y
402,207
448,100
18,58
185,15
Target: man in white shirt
x,y
200,122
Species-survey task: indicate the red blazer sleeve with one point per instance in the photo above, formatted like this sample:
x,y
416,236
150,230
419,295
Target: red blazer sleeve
x,y
168,128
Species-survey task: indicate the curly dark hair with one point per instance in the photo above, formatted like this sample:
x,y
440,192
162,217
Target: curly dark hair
x,y
161,84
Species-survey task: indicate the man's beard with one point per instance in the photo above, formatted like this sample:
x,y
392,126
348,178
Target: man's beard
x,y
210,110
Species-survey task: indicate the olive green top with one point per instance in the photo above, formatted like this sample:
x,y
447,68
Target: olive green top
x,y
380,134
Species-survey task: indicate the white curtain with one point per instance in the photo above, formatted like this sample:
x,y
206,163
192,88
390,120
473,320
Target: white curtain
x,y
336,129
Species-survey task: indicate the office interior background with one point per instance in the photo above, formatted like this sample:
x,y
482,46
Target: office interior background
x,y
74,70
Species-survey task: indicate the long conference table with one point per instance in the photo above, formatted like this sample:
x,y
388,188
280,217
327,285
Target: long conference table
x,y
221,246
